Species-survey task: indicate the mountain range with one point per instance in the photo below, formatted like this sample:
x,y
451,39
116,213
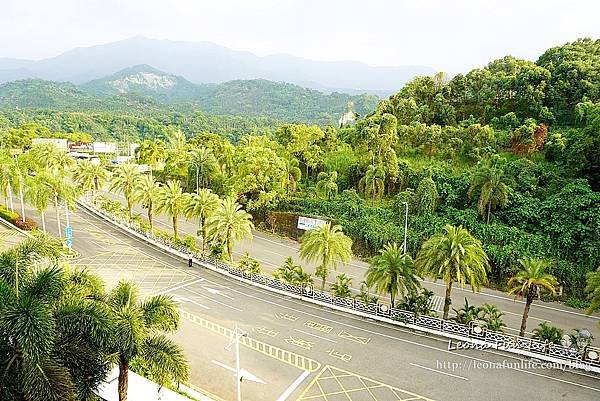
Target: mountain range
x,y
205,62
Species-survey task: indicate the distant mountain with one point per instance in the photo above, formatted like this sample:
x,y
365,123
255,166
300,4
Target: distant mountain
x,y
205,62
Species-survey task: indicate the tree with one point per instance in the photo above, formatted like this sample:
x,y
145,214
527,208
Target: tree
x,y
326,184
328,245
453,256
426,196
547,332
292,273
90,176
491,185
39,194
172,201
203,164
202,205
152,153
392,272
292,174
60,191
8,177
231,223
53,335
592,289
373,182
138,335
124,180
467,313
529,279
146,192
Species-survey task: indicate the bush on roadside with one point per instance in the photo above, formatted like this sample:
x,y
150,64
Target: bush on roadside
x,y
547,332
27,225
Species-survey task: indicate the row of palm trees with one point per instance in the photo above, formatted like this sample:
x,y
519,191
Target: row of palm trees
x,y
61,331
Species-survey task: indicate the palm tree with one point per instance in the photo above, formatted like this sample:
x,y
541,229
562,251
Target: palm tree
x,y
39,194
373,183
392,272
230,222
60,163
138,335
341,287
90,176
326,184
8,177
490,184
531,277
151,152
203,164
592,288
291,175
328,245
60,191
453,256
53,337
172,201
146,192
124,180
202,205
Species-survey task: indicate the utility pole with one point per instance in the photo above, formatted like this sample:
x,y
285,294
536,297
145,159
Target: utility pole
x,y
405,226
237,335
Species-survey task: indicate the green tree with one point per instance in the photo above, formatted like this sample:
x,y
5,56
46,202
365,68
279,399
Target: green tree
x,y
231,223
291,175
8,178
203,165
146,191
547,332
493,190
592,289
124,180
90,176
328,245
341,287
426,197
202,205
373,182
39,194
392,272
529,279
152,153
453,256
139,335
326,184
172,201
61,191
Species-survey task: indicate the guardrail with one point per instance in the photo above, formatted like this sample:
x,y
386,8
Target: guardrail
x,y
587,359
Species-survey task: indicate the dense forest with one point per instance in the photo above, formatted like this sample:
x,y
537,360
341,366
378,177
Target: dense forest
x,y
510,151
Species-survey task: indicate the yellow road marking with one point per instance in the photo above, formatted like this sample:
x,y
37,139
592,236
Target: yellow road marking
x,y
286,316
290,358
266,331
318,326
299,342
339,355
357,339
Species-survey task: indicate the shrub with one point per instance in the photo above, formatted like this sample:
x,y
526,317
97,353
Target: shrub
x,y
546,332
249,265
7,214
26,225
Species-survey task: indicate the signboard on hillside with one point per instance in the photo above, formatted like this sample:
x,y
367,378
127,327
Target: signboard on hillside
x,y
308,223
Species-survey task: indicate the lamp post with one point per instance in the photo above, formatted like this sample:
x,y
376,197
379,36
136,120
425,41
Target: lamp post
x,y
237,334
405,225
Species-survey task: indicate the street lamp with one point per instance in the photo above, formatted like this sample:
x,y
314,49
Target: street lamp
x,y
237,334
405,225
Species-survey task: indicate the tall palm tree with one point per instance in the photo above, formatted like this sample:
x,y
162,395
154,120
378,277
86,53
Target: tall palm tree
x,y
231,223
202,205
138,334
53,337
454,256
392,272
529,279
146,192
291,174
172,201
202,164
592,288
90,176
493,190
60,191
39,194
373,183
327,184
124,180
152,153
8,177
328,245
60,163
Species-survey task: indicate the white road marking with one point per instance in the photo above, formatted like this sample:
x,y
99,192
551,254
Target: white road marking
x,y
217,292
438,371
314,335
183,299
213,300
244,374
293,386
179,286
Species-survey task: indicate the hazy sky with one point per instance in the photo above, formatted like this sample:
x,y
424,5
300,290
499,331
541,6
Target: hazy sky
x,y
449,35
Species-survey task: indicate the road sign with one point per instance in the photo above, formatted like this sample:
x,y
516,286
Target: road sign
x,y
69,233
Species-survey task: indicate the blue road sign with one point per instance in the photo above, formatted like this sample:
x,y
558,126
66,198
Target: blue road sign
x,y
69,233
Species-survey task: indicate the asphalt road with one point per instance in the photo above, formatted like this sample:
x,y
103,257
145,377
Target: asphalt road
x,y
271,251
298,351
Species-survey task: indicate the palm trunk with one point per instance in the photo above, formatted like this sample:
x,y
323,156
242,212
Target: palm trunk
x,y
528,302
447,300
57,216
323,283
43,221
175,226
150,215
392,300
123,379
229,247
197,178
202,231
10,199
130,206
489,211
22,204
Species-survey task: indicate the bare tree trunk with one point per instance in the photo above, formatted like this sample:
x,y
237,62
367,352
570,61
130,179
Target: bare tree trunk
x,y
43,221
447,300
175,226
150,215
123,379
528,301
57,215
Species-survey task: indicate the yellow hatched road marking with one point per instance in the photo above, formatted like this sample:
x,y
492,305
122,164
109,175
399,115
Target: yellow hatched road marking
x,y
290,358
318,326
357,339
